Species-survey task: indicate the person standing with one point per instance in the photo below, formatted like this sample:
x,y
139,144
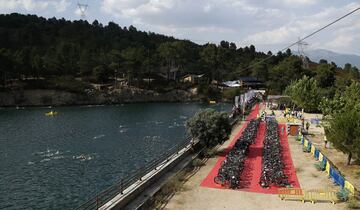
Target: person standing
x,y
325,141
307,126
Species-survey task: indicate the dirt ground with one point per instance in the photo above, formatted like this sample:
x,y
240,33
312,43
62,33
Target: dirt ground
x,y
339,159
194,197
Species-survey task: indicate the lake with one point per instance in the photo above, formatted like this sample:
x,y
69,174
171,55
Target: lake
x,y
60,162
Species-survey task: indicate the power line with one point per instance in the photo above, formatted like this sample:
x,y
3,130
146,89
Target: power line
x,y
301,40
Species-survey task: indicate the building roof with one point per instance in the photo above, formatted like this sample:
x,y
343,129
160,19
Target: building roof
x,y
194,75
249,79
235,83
275,97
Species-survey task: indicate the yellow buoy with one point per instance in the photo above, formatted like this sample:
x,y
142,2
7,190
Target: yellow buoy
x,y
51,114
212,102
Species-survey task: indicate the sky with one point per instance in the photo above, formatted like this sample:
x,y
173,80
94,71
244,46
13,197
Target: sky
x,y
267,24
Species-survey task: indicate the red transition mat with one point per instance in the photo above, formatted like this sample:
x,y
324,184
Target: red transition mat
x,y
251,175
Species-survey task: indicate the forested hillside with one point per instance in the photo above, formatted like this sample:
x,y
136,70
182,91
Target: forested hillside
x,y
48,49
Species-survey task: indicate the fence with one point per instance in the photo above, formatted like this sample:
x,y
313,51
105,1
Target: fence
x,y
119,187
307,195
330,169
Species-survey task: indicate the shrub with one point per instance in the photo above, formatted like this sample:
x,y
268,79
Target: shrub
x,y
320,166
210,127
353,203
210,152
209,92
230,94
197,163
343,195
68,84
298,138
307,149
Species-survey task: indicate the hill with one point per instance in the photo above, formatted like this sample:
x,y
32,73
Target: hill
x,y
338,58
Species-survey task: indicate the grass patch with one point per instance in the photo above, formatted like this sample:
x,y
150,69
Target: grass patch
x,y
320,166
298,170
209,153
173,185
315,175
353,203
357,174
307,149
197,163
343,195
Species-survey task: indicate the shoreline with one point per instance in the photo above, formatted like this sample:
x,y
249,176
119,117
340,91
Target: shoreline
x,y
61,98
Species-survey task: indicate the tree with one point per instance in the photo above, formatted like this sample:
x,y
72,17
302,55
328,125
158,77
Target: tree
x,y
209,57
343,131
351,97
210,127
86,63
343,101
167,52
323,61
133,58
288,70
304,93
100,74
325,75
332,106
260,70
6,66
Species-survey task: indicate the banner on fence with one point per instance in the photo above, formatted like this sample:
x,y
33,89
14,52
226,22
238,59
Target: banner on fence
x,y
316,154
350,187
331,171
327,169
306,143
338,179
324,160
312,150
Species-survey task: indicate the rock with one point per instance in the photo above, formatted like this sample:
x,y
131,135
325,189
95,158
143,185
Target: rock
x,y
60,98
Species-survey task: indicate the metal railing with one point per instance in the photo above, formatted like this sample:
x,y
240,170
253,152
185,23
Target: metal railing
x,y
118,188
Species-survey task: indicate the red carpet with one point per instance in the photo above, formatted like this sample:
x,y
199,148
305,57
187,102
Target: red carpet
x,y
252,172
209,180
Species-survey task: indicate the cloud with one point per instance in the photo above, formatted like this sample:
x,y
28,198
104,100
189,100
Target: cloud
x,y
181,15
32,5
298,2
338,37
61,6
346,38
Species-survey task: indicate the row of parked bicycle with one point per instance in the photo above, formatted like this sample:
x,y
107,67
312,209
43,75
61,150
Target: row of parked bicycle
x,y
272,164
232,167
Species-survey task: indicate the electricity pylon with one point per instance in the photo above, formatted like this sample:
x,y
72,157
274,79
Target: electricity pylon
x,y
301,45
82,8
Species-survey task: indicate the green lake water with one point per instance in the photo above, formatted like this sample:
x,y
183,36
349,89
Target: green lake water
x,y
60,162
